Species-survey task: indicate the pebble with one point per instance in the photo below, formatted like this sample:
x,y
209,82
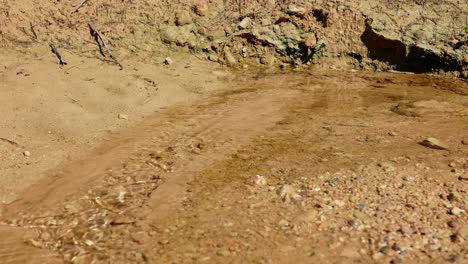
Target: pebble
x,y
213,58
451,197
387,167
27,153
452,223
434,143
406,230
349,252
283,223
465,141
296,11
456,211
230,60
260,180
245,23
393,134
378,256
463,232
183,18
201,7
123,116
168,61
223,253
310,41
383,250
288,194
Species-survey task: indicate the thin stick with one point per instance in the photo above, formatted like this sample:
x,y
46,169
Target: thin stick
x,y
59,56
80,5
9,141
97,35
33,30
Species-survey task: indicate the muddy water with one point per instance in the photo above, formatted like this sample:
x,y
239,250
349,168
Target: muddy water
x,y
141,179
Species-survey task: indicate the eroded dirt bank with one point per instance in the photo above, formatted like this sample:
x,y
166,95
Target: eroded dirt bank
x,y
417,35
284,168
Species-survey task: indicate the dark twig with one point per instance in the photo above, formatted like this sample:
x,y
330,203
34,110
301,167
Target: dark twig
x,y
9,141
80,5
100,40
33,30
59,56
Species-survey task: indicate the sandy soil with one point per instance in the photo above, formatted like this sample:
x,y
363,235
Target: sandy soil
x,y
316,167
53,113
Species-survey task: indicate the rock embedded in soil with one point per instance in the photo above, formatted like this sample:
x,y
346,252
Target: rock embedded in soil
x,y
350,252
27,153
406,229
465,141
294,10
434,143
260,180
200,7
245,23
183,18
289,194
168,61
310,41
456,211
213,58
453,223
230,60
123,116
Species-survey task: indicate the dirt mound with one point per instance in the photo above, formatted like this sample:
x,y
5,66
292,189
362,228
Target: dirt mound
x,y
406,35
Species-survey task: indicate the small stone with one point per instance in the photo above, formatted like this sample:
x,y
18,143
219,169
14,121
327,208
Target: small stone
x,y
396,261
383,250
465,141
434,247
349,252
453,258
245,23
201,7
213,58
378,256
27,153
451,197
433,143
260,180
310,41
288,194
387,167
453,223
123,116
230,60
223,253
463,232
456,211
35,243
296,11
45,236
393,134
183,18
406,230
397,248
168,61
283,223
456,238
